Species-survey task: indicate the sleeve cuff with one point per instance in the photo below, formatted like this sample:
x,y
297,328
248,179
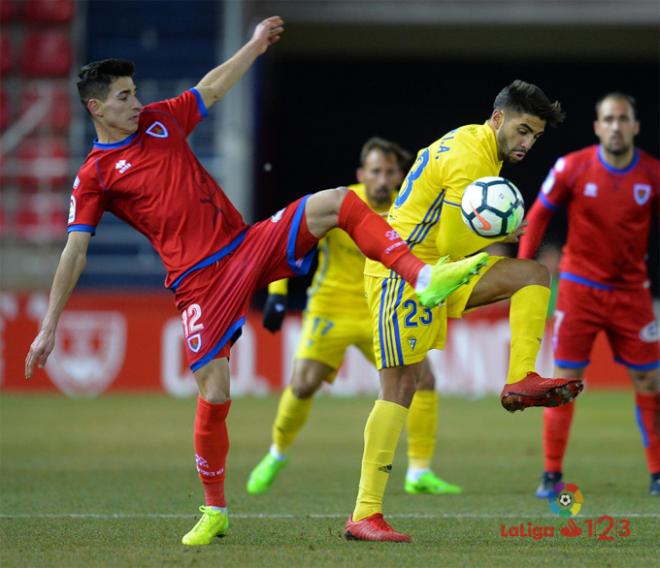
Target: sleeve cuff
x,y
544,200
200,102
82,228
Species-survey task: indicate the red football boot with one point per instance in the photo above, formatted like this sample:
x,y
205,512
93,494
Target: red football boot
x,y
534,390
373,528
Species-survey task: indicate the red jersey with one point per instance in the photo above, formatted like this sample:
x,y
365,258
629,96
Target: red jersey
x,y
153,181
609,217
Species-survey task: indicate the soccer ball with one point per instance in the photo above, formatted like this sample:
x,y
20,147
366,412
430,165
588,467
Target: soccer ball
x,y
492,207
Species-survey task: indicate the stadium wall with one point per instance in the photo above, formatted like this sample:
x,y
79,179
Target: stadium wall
x,y
109,342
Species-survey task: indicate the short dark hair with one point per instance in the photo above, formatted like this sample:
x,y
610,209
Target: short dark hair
x,y
95,78
525,97
618,95
403,157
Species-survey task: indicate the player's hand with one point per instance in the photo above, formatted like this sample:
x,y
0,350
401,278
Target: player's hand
x,y
40,349
268,32
515,236
274,311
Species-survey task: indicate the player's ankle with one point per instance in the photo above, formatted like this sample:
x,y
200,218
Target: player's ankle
x,y
423,278
277,453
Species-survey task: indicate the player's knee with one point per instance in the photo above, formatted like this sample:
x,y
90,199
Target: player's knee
x,y
305,383
532,273
426,381
646,382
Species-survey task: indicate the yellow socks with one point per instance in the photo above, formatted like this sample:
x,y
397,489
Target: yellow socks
x,y
527,316
292,414
381,435
422,427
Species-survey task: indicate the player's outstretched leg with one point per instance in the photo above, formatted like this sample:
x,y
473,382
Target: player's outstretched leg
x,y
378,241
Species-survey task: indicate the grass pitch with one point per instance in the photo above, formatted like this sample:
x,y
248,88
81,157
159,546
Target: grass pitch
x,y
111,482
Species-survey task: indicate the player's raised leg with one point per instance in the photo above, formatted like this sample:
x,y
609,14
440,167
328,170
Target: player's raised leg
x,y
421,427
647,400
525,282
211,448
378,241
292,413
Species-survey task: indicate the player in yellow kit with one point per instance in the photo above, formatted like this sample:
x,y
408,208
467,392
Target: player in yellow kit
x,y
336,317
427,214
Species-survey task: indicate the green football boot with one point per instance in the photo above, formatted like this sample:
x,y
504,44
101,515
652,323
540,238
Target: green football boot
x,y
263,476
430,484
447,276
213,523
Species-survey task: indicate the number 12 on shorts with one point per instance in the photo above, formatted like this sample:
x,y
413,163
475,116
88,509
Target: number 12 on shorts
x,y
192,327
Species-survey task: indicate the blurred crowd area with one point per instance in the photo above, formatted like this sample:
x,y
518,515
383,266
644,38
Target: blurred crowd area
x,y
344,71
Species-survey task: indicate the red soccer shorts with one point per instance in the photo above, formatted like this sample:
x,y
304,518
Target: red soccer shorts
x,y
214,300
626,317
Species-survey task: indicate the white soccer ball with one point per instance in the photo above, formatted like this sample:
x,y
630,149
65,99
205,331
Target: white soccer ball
x,y
492,207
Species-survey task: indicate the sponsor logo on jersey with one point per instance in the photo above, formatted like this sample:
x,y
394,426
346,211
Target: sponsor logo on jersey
x,y
591,189
649,333
72,209
642,192
392,235
195,342
275,218
158,130
123,166
89,352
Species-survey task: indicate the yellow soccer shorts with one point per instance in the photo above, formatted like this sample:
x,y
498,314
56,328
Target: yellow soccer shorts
x,y
403,330
325,338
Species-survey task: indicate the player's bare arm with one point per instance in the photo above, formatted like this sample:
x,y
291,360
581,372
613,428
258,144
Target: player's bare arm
x,y
217,82
72,262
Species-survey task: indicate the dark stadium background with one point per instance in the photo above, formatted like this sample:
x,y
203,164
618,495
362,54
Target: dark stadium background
x,y
345,71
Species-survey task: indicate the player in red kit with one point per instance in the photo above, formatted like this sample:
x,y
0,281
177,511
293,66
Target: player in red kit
x,y
142,170
611,192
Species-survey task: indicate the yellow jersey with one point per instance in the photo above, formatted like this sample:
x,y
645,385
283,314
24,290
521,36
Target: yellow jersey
x,y
426,212
338,283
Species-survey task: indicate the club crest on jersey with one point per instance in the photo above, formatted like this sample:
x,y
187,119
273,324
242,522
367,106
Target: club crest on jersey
x,y
195,342
642,192
158,130
413,343
591,189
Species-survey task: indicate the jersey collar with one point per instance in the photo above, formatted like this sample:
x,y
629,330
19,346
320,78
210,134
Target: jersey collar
x,y
491,142
614,170
125,142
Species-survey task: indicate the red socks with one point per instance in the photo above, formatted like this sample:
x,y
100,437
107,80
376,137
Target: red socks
x,y
556,428
211,448
648,419
376,239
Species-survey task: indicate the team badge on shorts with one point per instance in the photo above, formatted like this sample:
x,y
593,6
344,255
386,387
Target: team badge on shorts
x,y
649,333
195,342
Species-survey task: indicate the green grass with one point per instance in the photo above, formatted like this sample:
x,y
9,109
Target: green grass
x,y
132,457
